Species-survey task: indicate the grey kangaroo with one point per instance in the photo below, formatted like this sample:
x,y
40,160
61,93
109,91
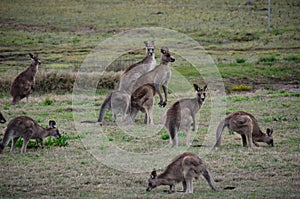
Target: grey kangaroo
x,y
27,128
119,101
116,102
2,119
133,72
159,76
183,168
182,114
23,85
142,100
246,125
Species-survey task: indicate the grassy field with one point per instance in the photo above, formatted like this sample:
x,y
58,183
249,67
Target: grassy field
x,y
234,35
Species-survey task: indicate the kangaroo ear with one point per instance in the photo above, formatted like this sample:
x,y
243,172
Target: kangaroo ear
x,y
196,87
31,55
52,123
205,87
269,132
153,174
152,43
146,43
163,51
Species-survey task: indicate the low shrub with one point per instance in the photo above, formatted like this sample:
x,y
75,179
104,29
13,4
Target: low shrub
x,y
241,87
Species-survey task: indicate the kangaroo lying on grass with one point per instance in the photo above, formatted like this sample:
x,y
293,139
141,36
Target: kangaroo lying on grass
x,y
27,128
116,102
159,76
142,100
24,82
246,125
183,168
181,115
2,119
133,72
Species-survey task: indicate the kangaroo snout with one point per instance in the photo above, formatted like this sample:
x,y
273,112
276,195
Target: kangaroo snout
x,y
58,135
172,59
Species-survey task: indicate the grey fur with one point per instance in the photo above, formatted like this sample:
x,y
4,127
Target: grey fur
x,y
27,128
181,115
246,125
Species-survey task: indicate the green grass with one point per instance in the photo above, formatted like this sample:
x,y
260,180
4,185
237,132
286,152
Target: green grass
x,y
231,164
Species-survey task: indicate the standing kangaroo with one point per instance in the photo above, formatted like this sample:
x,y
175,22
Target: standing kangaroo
x,y
182,114
119,101
133,72
116,102
2,119
183,168
142,100
27,128
24,82
246,125
159,76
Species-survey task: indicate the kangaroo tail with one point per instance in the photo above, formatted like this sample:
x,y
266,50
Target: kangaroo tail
x,y
219,132
5,140
207,175
105,105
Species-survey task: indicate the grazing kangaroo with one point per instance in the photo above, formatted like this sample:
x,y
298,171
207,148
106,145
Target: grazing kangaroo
x,y
183,168
24,82
116,102
2,119
159,76
27,128
246,125
181,115
142,100
133,72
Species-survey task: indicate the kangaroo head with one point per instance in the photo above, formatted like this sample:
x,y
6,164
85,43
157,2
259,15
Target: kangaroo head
x,y
53,130
265,137
149,48
2,119
35,59
166,56
269,137
201,92
152,181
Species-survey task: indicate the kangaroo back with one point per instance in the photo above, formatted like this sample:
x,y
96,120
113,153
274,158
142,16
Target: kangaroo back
x,y
173,118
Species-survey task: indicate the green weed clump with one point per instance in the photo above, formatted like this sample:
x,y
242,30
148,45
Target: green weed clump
x,y
62,141
165,136
240,60
47,102
241,87
292,58
268,59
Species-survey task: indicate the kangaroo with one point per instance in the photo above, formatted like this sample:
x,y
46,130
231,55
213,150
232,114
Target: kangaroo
x,y
116,102
23,85
182,113
142,100
160,75
133,72
2,119
27,128
246,125
183,168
